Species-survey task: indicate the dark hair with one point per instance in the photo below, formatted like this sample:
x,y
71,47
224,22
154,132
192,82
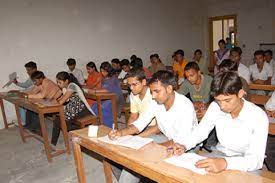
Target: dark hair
x,y
236,49
37,75
270,52
228,65
71,61
154,56
228,38
221,41
115,61
259,52
92,65
31,64
179,52
108,68
192,65
133,57
67,76
124,62
166,78
198,51
226,83
137,63
137,73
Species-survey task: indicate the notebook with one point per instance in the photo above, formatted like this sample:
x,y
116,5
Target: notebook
x,y
134,142
188,161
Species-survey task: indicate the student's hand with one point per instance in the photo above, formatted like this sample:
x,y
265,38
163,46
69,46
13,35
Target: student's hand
x,y
177,149
213,165
114,134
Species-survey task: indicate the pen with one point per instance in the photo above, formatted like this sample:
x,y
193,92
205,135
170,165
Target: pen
x,y
113,130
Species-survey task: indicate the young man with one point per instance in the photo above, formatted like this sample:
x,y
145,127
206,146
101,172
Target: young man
x,y
201,62
125,66
174,113
30,68
268,56
241,126
71,63
236,56
179,64
138,64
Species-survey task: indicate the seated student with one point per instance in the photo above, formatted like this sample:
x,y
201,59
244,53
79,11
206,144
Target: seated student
x,y
94,77
30,68
228,44
203,64
140,97
220,54
138,64
156,64
71,63
174,113
268,57
125,66
73,99
116,66
241,127
236,56
109,83
179,64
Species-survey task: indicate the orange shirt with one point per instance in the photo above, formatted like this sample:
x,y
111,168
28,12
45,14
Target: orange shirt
x,y
92,79
177,68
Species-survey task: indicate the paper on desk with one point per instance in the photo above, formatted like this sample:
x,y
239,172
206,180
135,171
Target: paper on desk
x,y
134,142
12,77
188,161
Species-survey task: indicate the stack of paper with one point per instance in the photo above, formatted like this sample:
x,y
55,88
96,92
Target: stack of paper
x,y
134,142
188,161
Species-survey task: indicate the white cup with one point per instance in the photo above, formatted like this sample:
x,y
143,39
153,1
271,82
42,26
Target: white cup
x,y
92,132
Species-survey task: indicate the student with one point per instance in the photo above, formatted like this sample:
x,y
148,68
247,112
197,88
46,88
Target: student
x,y
30,68
236,56
220,54
241,127
116,66
268,56
228,44
138,64
174,113
179,64
94,77
203,64
140,97
109,83
125,66
261,72
71,63
73,99
156,64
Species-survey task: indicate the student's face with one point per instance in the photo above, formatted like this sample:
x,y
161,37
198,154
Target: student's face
x,y
126,68
38,82
135,85
192,76
104,73
197,56
267,57
222,45
71,67
259,60
160,93
30,70
235,57
62,84
90,70
115,66
154,60
178,57
229,103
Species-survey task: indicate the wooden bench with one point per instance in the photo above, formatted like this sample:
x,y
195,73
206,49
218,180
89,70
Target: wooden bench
x,y
86,120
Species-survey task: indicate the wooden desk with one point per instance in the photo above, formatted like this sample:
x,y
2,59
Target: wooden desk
x,y
41,107
147,161
261,87
104,96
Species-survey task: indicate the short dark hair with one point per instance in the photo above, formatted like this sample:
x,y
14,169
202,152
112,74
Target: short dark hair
x,y
179,52
192,65
108,68
228,65
37,75
124,62
115,61
137,73
31,64
92,65
133,57
270,52
154,56
221,41
137,63
259,52
198,51
226,83
71,61
166,78
63,76
236,49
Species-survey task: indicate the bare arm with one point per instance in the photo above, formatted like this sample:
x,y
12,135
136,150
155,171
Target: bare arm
x,y
130,130
133,117
150,131
65,97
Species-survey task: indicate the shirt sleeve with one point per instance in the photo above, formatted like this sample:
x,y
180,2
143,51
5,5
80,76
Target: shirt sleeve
x,y
270,72
133,106
184,89
28,83
80,77
270,105
254,156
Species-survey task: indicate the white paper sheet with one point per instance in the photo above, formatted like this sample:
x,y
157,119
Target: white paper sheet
x,y
12,77
188,161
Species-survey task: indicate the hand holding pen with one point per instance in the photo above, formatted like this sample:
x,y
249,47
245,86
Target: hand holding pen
x,y
114,134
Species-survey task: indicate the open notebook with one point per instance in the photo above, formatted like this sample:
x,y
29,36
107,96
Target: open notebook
x,y
188,161
134,142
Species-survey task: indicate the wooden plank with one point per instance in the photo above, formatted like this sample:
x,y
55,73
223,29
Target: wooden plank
x,y
261,87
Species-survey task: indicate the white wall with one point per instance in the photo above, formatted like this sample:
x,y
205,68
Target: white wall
x,y
50,31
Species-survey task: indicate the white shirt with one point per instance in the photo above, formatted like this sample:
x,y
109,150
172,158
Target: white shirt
x,y
122,74
263,75
79,75
242,140
176,123
270,104
244,72
272,65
